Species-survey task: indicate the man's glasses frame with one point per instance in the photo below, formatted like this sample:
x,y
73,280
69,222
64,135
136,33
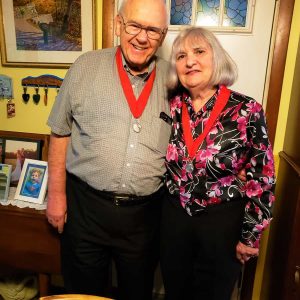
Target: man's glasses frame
x,y
132,28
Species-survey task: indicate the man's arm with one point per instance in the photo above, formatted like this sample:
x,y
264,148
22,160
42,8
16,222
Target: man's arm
x,y
57,200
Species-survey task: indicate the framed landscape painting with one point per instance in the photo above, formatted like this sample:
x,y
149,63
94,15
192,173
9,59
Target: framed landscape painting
x,y
15,151
46,33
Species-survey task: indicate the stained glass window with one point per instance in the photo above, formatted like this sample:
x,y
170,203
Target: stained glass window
x,y
218,14
207,13
235,13
181,12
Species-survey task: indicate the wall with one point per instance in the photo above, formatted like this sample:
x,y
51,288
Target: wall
x,y
281,127
31,117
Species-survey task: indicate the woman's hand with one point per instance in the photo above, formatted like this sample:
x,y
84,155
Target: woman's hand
x,y
242,175
244,253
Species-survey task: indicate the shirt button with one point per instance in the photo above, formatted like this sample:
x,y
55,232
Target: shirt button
x,y
131,145
123,185
128,164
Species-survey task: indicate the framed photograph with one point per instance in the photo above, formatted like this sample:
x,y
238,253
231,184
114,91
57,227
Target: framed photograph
x,y
15,151
33,181
5,171
46,33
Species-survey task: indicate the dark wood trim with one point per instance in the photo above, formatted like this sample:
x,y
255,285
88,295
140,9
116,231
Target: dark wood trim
x,y
286,8
282,33
291,162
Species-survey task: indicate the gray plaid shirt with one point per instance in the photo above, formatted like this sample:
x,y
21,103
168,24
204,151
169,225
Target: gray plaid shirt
x,y
105,151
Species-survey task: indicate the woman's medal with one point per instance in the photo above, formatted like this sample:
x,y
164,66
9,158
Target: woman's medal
x,y
189,166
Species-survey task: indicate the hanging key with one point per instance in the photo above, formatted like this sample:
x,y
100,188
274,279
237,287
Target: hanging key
x,y
36,97
46,95
25,96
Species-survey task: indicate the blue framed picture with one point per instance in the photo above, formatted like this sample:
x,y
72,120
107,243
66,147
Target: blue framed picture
x,y
33,181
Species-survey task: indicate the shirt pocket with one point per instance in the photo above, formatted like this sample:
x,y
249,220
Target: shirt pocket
x,y
160,132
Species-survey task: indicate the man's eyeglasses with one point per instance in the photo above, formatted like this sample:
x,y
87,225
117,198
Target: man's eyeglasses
x,y
132,28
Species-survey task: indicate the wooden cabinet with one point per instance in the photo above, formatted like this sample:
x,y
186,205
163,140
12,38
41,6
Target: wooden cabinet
x,y
29,243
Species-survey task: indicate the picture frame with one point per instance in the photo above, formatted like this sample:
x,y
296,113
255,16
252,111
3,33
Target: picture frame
x,y
5,172
30,36
15,151
33,181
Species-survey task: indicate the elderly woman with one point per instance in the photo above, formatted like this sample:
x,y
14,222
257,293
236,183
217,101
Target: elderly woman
x,y
212,221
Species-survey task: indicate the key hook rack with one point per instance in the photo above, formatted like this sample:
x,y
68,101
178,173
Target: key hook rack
x,y
46,81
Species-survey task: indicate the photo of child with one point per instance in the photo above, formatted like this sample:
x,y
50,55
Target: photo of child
x,y
33,182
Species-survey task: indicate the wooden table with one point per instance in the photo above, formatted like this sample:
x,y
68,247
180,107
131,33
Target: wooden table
x,y
29,243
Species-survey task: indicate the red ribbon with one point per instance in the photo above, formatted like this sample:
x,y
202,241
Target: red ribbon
x,y
136,106
191,144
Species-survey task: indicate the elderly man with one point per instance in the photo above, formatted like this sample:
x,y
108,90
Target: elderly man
x,y
106,157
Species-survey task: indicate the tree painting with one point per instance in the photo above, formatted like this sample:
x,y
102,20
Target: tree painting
x,y
49,25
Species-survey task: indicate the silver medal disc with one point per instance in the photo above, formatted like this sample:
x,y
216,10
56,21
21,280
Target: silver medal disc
x,y
136,127
189,167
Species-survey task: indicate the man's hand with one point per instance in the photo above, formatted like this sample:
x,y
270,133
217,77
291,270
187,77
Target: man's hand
x,y
57,211
244,253
57,199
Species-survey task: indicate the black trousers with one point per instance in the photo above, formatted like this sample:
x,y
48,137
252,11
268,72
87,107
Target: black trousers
x,y
97,231
198,260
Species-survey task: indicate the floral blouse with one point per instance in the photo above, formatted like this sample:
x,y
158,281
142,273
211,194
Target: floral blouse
x,y
237,140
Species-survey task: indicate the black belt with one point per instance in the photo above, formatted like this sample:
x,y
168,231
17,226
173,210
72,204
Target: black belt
x,y
128,200
120,199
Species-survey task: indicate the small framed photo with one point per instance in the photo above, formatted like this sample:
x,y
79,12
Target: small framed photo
x,y
16,150
5,171
33,181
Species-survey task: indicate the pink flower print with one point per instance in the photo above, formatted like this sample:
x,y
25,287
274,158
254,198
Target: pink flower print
x,y
200,164
184,196
252,188
255,244
269,154
242,122
238,163
175,105
271,199
215,190
204,155
226,181
268,170
219,165
262,226
172,153
235,113
253,161
183,175
254,107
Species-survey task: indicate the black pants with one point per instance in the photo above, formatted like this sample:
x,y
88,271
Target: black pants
x,y
97,231
198,258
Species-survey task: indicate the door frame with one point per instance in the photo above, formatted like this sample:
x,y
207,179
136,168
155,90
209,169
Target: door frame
x,y
281,34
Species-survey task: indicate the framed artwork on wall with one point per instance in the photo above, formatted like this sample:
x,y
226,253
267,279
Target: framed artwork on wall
x,y
5,171
15,151
46,33
33,181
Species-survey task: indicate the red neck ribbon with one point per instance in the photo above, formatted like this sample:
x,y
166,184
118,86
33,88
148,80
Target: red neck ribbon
x,y
193,145
136,106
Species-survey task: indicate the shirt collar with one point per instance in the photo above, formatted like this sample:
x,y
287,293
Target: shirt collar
x,y
208,105
144,75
